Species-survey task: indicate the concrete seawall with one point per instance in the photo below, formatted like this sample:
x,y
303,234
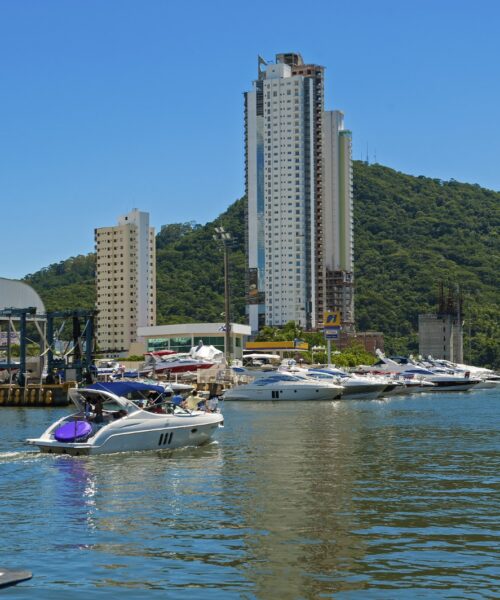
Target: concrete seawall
x,y
35,395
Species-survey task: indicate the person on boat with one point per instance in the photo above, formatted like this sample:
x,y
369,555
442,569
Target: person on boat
x,y
156,402
202,405
98,414
178,400
192,400
212,403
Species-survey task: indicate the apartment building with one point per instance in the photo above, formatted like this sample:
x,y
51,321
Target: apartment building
x,y
125,281
299,191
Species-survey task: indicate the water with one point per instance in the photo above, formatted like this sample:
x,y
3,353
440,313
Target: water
x,y
380,499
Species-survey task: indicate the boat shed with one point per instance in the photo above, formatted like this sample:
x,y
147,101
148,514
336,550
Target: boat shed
x,y
17,294
182,337
17,298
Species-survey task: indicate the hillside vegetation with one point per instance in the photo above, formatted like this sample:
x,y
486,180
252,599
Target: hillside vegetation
x,y
411,235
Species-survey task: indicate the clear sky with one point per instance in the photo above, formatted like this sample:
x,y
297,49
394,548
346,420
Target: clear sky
x,y
109,105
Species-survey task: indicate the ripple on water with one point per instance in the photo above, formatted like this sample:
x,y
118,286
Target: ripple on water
x,y
387,499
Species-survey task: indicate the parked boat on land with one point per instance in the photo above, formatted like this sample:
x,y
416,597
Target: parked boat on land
x,y
124,417
199,357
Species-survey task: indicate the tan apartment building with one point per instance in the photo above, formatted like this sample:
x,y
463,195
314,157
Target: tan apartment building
x,y
125,281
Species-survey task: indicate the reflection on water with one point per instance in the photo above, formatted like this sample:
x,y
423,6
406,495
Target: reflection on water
x,y
346,499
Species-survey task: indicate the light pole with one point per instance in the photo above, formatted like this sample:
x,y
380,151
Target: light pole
x,y
316,349
224,237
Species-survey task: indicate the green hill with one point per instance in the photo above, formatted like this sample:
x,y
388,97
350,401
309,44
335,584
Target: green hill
x,y
66,285
411,234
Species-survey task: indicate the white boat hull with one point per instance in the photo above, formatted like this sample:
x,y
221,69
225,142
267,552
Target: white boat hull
x,y
488,384
136,439
282,394
416,389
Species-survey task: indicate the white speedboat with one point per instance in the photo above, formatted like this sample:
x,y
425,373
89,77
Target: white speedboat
x,y
125,417
284,386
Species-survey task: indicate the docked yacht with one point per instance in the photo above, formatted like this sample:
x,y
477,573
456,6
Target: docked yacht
x,y
444,380
355,387
488,378
126,417
285,386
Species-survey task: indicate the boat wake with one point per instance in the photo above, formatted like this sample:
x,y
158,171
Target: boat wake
x,y
7,457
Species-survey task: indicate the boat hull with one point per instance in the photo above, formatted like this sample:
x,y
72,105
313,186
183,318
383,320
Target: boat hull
x,y
282,394
160,438
363,392
451,386
488,384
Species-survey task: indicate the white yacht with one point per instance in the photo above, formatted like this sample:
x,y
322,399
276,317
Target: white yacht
x,y
355,387
444,380
488,378
285,386
125,417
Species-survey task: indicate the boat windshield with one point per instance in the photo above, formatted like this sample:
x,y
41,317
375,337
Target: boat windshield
x,y
418,371
329,372
324,376
277,379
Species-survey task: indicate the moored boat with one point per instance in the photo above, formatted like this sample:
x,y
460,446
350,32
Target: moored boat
x,y
355,387
284,386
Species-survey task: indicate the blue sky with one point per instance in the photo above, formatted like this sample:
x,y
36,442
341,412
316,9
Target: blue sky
x,y
109,105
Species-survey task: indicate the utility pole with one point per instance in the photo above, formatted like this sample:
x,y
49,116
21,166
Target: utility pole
x,y
224,237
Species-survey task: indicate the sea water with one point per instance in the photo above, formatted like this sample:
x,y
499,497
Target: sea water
x,y
397,498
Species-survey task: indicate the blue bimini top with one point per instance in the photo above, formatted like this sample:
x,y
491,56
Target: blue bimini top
x,y
121,388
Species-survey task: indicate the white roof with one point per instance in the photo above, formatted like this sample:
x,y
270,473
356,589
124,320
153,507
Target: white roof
x,y
196,329
17,294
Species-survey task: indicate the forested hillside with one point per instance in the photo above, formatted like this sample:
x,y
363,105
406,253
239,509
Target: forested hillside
x,y
411,234
66,285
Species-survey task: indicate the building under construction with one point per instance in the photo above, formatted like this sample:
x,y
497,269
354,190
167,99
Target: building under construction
x,y
441,335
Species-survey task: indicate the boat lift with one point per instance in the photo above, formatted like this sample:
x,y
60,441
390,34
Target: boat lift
x,y
21,314
77,360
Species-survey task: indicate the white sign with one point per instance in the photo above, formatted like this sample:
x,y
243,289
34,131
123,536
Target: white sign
x,y
332,334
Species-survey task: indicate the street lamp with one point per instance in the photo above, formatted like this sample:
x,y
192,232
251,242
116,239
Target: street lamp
x,y
316,349
224,238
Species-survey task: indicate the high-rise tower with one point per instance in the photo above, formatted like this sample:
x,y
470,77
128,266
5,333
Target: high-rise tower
x,y
126,281
299,190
